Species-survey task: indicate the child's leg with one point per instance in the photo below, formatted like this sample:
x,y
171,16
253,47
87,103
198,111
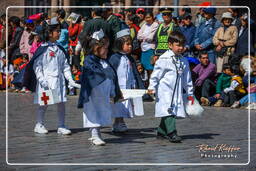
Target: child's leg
x,y
61,115
39,128
61,124
96,136
40,114
167,125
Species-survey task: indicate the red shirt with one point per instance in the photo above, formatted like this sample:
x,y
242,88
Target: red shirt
x,y
73,31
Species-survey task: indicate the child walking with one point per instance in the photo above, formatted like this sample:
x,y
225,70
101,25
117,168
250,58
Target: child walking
x,y
128,78
170,77
98,85
49,67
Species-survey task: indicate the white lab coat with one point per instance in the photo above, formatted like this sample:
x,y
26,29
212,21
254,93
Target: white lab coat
x,y
98,110
162,81
126,80
54,70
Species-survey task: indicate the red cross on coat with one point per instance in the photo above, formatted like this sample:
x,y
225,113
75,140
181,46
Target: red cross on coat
x,y
45,98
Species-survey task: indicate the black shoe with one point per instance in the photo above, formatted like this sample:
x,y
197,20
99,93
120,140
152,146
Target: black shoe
x,y
174,138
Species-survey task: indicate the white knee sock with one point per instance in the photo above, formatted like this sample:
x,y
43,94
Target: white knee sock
x,y
95,132
40,114
61,115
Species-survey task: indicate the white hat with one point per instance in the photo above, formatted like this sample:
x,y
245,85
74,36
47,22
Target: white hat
x,y
227,15
98,35
122,33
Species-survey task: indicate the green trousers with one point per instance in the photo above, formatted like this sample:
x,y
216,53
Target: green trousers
x,y
167,125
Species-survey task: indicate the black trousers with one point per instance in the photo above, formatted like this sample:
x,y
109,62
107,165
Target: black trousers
x,y
232,96
206,90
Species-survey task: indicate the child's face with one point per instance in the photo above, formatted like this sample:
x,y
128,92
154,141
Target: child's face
x,y
24,60
56,34
74,70
127,47
228,72
103,51
177,48
139,68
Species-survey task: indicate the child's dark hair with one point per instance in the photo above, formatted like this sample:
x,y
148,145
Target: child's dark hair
x,y
89,44
133,18
61,12
176,37
149,14
15,20
45,35
235,69
119,42
226,66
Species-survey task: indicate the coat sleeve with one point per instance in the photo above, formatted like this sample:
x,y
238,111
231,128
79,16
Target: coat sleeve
x,y
215,38
38,69
157,74
209,42
234,36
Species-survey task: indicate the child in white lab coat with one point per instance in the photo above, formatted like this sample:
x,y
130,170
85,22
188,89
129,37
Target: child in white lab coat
x,y
170,79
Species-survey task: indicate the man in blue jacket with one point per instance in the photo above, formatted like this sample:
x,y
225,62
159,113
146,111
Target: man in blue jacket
x,y
205,32
188,30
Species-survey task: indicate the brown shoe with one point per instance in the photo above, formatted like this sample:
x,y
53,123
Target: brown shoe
x,y
218,103
204,101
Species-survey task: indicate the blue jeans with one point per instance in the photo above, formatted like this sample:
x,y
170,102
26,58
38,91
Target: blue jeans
x,y
245,99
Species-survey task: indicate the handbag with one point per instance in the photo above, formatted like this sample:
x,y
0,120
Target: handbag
x,y
48,97
194,109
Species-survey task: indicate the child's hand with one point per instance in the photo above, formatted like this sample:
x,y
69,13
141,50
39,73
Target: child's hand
x,y
217,96
191,98
150,92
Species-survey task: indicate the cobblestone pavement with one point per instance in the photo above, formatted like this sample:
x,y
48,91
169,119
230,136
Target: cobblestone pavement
x,y
217,126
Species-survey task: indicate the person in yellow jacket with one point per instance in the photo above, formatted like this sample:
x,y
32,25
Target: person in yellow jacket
x,y
236,89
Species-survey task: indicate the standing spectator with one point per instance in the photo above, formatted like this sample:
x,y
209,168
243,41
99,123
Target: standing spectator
x,y
242,42
163,32
60,14
95,24
2,27
113,21
204,74
225,39
13,48
24,41
183,11
146,36
188,29
136,51
205,32
235,14
73,31
200,14
140,12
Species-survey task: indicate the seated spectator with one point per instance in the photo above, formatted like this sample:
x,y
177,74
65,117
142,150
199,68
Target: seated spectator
x,y
6,78
223,82
252,93
204,76
225,39
235,91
